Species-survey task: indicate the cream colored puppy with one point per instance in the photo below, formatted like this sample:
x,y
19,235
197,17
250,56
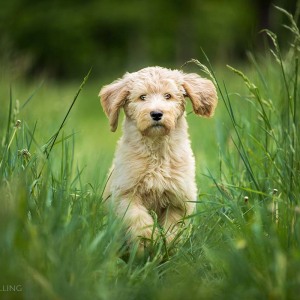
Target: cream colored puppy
x,y
154,166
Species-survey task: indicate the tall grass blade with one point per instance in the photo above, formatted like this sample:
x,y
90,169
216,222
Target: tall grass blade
x,y
31,96
9,121
64,120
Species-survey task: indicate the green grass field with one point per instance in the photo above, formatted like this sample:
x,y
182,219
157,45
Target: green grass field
x,y
58,241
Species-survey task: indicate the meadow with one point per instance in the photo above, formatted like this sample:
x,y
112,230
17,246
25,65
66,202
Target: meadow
x,y
59,241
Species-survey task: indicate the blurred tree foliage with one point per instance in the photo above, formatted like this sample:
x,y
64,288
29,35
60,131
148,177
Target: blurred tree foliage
x,y
67,37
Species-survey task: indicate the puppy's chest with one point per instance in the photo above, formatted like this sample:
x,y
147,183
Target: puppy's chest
x,y
157,177
160,184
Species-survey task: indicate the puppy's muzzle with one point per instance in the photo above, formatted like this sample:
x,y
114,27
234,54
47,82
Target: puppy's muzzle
x,y
156,115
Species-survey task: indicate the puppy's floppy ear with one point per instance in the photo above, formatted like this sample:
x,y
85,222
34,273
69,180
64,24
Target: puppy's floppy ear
x,y
202,93
113,97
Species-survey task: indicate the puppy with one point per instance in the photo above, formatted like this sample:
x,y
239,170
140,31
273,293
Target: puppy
x,y
154,166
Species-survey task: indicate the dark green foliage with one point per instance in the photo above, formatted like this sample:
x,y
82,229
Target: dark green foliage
x,y
66,38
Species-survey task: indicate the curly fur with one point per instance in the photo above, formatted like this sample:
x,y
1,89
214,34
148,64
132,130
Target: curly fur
x,y
154,167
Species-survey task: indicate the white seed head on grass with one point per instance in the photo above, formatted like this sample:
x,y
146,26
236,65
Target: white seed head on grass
x,y
18,124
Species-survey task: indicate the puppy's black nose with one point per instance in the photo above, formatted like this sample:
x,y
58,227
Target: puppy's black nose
x,y
156,115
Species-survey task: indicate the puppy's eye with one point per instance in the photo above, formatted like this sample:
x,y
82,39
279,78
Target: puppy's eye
x,y
167,96
143,97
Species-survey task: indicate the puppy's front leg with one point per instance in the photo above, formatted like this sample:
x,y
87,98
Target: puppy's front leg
x,y
137,219
172,220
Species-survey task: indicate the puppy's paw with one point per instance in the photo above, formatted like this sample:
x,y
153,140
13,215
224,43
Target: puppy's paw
x,y
144,238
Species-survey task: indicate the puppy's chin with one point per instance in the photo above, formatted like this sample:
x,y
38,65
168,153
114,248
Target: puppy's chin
x,y
156,130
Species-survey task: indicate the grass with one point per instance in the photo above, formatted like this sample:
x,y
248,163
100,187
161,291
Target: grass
x,y
57,240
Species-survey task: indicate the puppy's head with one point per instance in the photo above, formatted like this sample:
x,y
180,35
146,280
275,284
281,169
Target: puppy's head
x,y
154,98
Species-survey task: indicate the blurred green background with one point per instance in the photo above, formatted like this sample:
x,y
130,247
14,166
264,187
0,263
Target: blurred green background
x,y
56,238
47,47
65,38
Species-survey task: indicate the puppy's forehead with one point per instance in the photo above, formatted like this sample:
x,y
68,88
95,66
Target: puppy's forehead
x,y
155,80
